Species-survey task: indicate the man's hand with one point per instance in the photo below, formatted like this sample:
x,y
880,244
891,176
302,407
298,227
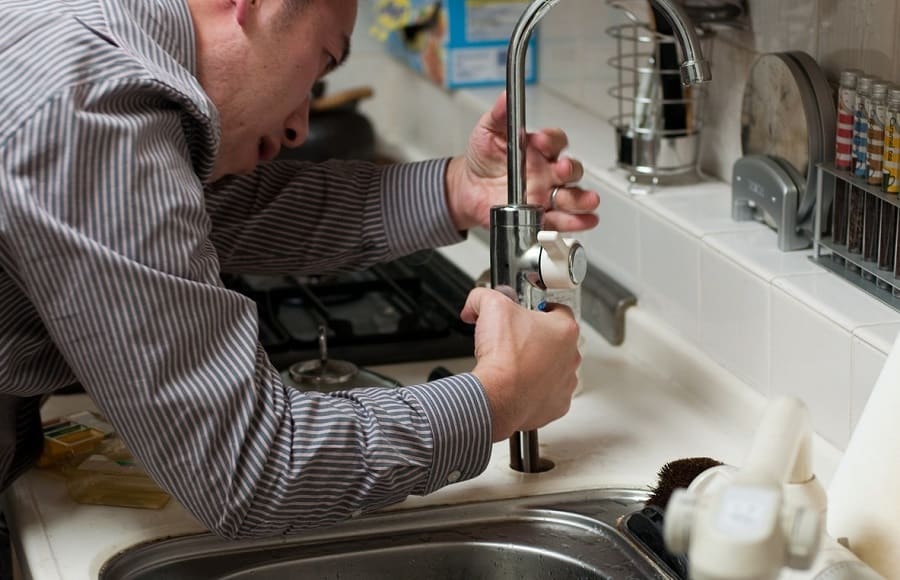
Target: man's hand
x,y
526,360
477,181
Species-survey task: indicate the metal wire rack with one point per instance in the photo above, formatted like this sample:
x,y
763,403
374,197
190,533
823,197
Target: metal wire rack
x,y
658,122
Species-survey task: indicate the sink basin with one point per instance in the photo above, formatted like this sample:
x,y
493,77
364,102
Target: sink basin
x,y
562,536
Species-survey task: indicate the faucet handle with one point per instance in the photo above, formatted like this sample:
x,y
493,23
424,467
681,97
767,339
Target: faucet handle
x,y
563,262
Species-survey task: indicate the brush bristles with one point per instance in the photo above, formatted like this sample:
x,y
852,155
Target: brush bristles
x,y
677,474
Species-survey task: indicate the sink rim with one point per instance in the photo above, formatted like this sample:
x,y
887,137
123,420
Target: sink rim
x,y
574,509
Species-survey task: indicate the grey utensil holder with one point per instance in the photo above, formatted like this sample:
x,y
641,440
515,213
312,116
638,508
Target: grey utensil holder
x,y
883,284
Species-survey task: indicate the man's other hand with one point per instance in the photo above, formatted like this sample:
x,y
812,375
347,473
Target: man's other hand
x,y
526,360
477,181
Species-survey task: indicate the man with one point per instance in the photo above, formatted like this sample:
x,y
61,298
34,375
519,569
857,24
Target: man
x,y
135,140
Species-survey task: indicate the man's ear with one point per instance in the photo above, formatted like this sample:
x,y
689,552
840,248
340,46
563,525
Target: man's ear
x,y
242,8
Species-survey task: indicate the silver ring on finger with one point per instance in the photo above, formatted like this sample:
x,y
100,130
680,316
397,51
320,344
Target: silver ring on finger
x,y
552,204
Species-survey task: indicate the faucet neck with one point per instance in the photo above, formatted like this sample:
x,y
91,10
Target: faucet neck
x,y
516,142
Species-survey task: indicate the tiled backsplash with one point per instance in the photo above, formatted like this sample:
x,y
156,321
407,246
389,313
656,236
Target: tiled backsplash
x,y
775,320
816,340
838,33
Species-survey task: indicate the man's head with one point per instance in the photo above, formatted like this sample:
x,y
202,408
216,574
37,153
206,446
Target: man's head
x,y
258,61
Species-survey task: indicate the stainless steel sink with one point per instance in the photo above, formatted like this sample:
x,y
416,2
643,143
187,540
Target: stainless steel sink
x,y
562,536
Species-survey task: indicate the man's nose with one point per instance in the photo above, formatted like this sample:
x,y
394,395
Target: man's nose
x,y
296,128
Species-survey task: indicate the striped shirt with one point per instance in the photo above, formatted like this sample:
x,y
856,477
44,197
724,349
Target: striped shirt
x,y
111,247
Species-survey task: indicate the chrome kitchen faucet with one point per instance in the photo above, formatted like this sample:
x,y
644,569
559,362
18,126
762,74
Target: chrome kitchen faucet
x,y
525,259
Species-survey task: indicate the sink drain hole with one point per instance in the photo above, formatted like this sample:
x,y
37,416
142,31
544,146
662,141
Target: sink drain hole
x,y
543,464
524,453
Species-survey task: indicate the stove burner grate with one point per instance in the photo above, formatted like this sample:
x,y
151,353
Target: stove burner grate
x,y
402,311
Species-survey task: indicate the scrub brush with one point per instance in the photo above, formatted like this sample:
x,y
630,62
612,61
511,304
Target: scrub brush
x,y
677,474
645,526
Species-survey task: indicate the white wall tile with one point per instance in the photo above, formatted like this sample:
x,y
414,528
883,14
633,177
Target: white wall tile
x,y
421,113
721,136
574,48
867,364
811,359
880,336
871,345
669,274
734,318
780,26
614,245
859,34
700,209
838,300
757,250
559,50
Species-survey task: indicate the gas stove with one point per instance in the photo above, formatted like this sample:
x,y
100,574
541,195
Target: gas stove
x,y
402,311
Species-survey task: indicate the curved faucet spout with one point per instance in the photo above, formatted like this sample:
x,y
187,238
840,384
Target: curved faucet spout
x,y
694,70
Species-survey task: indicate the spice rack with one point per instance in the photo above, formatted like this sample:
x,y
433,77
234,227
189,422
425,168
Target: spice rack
x,y
883,284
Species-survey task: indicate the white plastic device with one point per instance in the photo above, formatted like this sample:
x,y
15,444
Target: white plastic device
x,y
764,521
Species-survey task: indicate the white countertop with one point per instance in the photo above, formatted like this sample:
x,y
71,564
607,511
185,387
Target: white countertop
x,y
653,400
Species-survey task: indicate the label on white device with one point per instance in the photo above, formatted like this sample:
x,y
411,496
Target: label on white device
x,y
747,513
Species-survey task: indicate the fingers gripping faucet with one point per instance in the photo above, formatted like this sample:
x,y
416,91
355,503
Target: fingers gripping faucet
x,y
530,261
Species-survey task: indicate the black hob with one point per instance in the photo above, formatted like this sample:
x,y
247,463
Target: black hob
x,y
402,311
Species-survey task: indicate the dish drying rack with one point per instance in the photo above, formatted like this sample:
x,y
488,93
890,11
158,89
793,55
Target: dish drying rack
x,y
878,277
658,122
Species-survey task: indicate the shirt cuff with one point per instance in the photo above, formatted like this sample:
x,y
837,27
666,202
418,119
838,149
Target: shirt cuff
x,y
414,201
459,413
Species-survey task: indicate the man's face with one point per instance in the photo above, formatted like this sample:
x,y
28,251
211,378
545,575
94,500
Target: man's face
x,y
261,78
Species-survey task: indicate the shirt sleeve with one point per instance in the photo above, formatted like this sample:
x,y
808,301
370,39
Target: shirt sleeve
x,y
106,229
339,215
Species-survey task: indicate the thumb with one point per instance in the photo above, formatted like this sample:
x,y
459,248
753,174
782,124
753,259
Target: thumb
x,y
473,305
495,119
476,302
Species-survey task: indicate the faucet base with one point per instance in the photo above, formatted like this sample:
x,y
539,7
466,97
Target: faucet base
x,y
524,454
